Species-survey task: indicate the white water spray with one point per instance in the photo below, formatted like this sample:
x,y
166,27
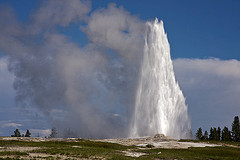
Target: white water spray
x,y
160,105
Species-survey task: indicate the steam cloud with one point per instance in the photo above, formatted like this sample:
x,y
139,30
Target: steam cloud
x,y
92,86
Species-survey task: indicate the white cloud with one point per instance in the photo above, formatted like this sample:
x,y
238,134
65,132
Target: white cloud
x,y
14,125
224,68
212,89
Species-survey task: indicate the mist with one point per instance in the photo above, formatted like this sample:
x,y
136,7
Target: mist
x,y
84,88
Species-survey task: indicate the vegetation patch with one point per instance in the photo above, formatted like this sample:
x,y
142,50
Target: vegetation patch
x,y
12,153
103,150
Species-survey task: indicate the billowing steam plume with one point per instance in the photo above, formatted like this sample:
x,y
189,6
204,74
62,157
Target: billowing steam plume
x,y
93,85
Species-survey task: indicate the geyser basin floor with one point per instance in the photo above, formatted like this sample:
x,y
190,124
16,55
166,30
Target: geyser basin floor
x,y
74,148
157,142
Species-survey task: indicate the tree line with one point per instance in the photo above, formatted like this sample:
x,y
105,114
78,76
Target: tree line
x,y
216,134
54,134
28,134
18,134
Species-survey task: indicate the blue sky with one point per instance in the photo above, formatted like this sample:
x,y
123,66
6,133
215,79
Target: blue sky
x,y
196,29
204,37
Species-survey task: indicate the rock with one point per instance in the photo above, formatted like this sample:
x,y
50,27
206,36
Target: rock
x,y
162,137
159,136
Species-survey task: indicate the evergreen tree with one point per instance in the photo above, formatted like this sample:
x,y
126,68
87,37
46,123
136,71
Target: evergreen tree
x,y
218,137
16,133
211,134
205,136
236,129
226,134
215,134
199,135
53,133
28,134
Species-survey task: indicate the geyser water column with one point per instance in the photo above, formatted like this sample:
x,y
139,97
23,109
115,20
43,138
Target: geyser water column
x,y
160,105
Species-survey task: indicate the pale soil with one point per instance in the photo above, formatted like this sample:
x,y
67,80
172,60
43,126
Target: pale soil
x,y
42,156
40,139
133,154
177,145
19,149
158,141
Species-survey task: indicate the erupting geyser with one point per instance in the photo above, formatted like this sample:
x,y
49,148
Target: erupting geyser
x,y
160,105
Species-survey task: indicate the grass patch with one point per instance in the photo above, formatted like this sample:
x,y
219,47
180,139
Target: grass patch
x,y
81,149
86,149
226,143
98,150
225,153
13,153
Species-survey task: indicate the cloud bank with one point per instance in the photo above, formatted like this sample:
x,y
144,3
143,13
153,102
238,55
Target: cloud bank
x,y
212,88
14,125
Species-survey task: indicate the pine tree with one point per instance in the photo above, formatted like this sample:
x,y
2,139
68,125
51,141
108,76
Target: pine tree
x,y
53,133
236,129
205,136
199,135
211,134
28,134
16,133
218,137
215,134
226,134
